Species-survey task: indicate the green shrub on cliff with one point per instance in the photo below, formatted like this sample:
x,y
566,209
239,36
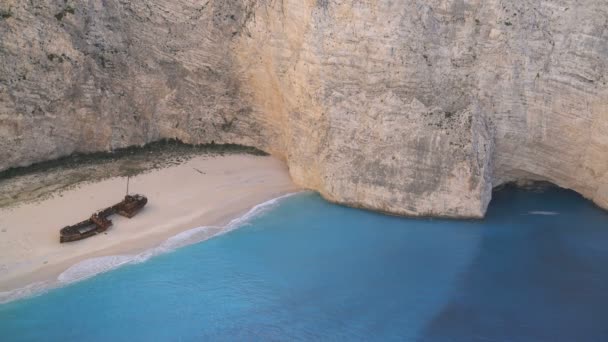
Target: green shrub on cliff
x,y
68,9
5,14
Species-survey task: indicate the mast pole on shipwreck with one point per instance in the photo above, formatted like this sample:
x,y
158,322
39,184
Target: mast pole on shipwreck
x,y
128,184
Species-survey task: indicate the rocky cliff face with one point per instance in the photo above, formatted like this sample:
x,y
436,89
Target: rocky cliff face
x,y
414,107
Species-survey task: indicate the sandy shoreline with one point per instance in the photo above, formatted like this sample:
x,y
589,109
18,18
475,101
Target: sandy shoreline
x,y
204,191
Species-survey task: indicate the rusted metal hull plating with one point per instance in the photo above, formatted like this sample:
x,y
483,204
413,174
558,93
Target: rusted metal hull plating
x,y
99,221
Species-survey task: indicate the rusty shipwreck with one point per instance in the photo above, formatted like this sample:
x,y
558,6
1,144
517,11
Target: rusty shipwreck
x,y
99,221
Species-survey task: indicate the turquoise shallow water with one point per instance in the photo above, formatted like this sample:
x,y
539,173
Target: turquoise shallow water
x,y
536,269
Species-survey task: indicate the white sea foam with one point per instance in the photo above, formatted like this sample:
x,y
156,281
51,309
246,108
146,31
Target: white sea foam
x,y
254,212
545,213
91,267
27,291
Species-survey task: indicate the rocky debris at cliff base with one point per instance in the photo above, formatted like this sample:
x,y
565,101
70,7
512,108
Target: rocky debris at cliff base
x,y
412,107
47,179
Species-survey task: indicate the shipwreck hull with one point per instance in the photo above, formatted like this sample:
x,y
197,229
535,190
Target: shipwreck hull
x,y
99,222
81,231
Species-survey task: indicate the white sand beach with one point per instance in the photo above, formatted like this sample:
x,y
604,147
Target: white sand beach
x,y
202,191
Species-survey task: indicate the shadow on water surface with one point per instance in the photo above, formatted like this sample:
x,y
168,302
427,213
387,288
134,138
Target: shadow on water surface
x,y
533,270
539,275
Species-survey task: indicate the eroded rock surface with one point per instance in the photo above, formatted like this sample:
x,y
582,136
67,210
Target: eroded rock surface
x,y
414,107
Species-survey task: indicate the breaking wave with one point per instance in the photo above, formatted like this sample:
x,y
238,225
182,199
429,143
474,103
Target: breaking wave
x,y
26,291
91,267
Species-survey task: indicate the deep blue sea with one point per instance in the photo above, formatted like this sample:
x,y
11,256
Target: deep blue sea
x,y
536,269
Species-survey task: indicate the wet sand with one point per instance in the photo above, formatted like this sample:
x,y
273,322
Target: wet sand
x,y
205,190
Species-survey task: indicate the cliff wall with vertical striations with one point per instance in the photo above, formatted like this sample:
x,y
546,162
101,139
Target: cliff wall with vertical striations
x,y
414,107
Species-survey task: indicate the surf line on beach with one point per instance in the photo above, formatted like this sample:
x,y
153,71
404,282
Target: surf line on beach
x,y
91,267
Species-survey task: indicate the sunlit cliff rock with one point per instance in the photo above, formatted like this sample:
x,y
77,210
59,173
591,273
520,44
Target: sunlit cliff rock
x,y
415,107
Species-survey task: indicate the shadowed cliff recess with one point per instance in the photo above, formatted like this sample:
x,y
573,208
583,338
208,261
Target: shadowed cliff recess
x,y
414,107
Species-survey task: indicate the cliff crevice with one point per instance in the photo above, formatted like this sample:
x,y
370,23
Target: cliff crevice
x,y
416,107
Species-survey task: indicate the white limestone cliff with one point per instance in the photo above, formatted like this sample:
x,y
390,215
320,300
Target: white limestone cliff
x,y
415,107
